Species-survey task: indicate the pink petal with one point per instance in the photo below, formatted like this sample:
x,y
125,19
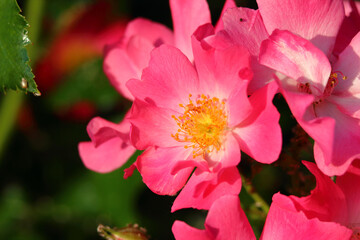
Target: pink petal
x,y
349,105
187,16
349,184
226,220
348,64
227,5
109,148
107,157
297,58
346,94
245,27
203,188
228,156
260,134
182,231
168,80
317,21
219,68
155,33
123,62
348,6
349,27
326,202
152,126
155,166
343,140
238,104
284,222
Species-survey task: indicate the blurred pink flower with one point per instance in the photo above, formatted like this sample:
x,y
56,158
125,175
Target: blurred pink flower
x,y
186,117
225,220
83,38
332,211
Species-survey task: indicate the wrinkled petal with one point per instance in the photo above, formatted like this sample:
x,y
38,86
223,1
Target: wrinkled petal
x,y
284,222
155,166
317,21
168,80
188,15
203,188
152,126
297,58
245,27
109,148
260,134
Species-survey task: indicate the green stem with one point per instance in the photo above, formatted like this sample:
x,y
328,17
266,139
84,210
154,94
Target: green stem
x,y
12,101
259,201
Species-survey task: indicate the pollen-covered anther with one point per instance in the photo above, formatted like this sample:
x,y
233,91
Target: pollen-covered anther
x,y
332,82
304,87
202,125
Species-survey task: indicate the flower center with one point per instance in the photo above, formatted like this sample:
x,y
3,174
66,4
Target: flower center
x,y
331,84
202,125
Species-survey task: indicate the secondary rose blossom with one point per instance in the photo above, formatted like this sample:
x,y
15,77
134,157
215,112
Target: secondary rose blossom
x,y
332,211
310,20
225,221
322,95
300,47
125,60
186,117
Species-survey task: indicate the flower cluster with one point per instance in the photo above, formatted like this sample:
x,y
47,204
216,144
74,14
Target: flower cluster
x,y
203,94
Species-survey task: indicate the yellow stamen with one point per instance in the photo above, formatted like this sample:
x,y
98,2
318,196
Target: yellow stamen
x,y
202,125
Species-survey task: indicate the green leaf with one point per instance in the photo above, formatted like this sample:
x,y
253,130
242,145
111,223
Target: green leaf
x,y
15,72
